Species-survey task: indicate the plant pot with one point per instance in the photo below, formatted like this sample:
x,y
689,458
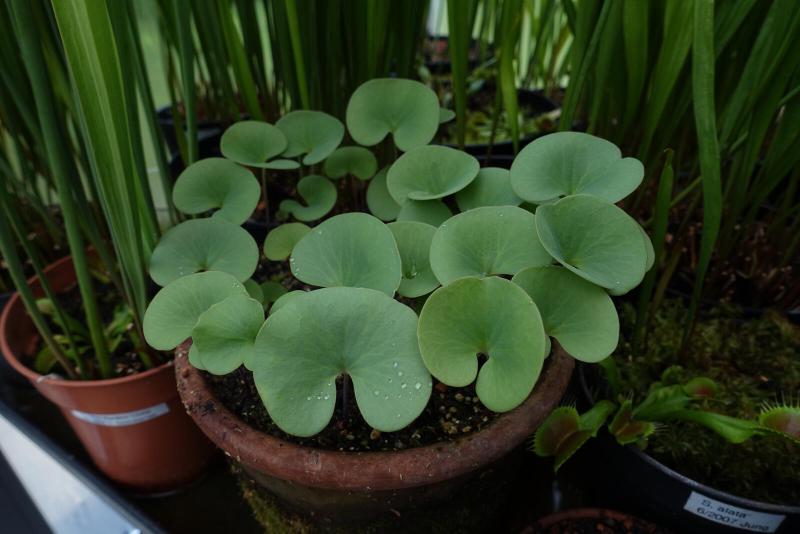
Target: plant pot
x,y
133,427
532,100
637,479
360,487
205,128
593,520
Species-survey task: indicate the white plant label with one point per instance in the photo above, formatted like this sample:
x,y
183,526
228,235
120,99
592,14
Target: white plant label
x,y
125,418
732,516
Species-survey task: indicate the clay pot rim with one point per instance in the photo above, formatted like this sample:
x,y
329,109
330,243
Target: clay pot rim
x,y
34,377
356,471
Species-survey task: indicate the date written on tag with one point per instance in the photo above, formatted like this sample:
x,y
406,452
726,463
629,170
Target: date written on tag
x,y
125,418
732,516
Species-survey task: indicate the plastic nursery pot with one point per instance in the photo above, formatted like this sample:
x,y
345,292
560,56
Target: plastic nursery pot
x,y
134,427
637,479
345,487
205,128
593,520
533,100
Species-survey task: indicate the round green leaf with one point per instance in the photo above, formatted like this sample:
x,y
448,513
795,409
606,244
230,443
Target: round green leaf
x,y
217,183
279,242
252,143
407,109
353,250
492,187
313,134
430,172
194,358
173,312
570,163
203,245
355,160
284,299
486,241
648,247
281,164
329,332
594,239
379,201
490,316
319,194
254,290
579,314
446,115
414,242
433,212
272,291
225,333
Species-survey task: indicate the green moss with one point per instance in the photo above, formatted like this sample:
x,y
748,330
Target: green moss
x,y
755,362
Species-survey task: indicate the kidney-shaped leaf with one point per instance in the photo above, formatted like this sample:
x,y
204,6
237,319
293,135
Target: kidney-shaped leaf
x,y
492,187
217,183
313,134
379,201
414,242
407,109
570,163
490,316
203,245
594,239
579,314
355,160
173,312
281,241
430,172
486,241
225,333
319,194
433,212
353,250
312,340
252,143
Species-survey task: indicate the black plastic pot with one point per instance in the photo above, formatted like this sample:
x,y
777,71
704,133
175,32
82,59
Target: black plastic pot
x,y
649,487
536,104
205,128
440,45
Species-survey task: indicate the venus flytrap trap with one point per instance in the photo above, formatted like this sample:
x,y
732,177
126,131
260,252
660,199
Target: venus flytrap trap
x,y
492,284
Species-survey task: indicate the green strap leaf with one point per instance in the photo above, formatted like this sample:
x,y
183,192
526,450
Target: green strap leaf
x,y
204,245
486,241
489,316
302,349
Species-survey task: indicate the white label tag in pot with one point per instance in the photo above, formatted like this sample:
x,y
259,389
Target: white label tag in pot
x,y
732,516
125,418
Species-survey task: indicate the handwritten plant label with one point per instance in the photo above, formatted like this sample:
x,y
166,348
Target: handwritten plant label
x,y
732,516
125,418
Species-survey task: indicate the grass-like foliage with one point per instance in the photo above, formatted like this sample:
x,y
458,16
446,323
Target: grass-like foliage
x,y
412,291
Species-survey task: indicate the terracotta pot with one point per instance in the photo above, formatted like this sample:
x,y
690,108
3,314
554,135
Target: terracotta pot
x,y
342,486
134,427
593,520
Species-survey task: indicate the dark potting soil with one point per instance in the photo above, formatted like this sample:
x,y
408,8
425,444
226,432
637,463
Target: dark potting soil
x,y
600,525
755,363
450,414
125,360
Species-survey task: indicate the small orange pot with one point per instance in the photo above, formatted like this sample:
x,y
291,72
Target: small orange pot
x,y
134,427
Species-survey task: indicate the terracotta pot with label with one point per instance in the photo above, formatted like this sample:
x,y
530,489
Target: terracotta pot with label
x,y
134,427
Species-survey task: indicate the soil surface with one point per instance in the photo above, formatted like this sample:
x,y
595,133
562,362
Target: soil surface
x,y
599,525
450,414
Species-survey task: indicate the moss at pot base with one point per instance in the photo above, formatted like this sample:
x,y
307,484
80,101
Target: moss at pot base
x,y
473,508
754,362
